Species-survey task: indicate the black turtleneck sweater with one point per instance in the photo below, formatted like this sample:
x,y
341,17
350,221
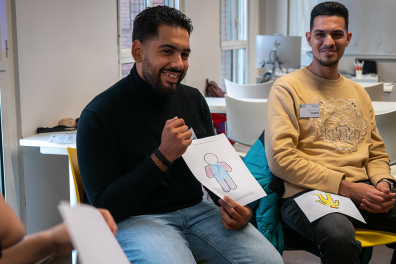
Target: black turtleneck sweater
x,y
119,130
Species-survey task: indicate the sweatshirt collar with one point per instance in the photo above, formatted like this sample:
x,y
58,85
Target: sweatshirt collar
x,y
323,81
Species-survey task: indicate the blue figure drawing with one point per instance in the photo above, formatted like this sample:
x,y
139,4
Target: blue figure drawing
x,y
219,171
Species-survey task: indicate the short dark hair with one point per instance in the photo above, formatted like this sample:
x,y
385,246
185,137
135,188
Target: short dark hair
x,y
148,21
329,9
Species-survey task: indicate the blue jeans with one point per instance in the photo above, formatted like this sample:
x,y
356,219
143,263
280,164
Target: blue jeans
x,y
190,235
334,233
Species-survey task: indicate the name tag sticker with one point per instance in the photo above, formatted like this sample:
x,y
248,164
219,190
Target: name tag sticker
x,y
309,110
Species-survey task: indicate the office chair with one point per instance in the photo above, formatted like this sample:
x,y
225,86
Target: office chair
x,y
245,122
80,192
240,91
376,92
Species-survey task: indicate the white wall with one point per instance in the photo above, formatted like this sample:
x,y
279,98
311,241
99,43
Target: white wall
x,y
67,54
205,43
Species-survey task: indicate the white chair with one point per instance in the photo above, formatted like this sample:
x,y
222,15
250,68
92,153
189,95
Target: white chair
x,y
260,90
376,92
245,122
392,96
387,128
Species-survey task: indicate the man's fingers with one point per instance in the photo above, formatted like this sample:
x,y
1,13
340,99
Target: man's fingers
x,y
365,207
375,198
226,218
109,220
237,207
379,208
171,120
234,214
175,123
227,226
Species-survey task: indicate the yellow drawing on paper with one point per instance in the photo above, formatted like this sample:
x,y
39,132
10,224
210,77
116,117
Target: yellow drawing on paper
x,y
329,201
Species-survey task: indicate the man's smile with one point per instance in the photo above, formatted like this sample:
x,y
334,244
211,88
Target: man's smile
x,y
171,76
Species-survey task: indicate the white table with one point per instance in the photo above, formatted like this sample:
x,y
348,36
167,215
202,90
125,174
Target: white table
x,y
41,141
218,105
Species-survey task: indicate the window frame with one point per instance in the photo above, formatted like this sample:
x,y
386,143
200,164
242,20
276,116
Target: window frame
x,y
124,55
234,44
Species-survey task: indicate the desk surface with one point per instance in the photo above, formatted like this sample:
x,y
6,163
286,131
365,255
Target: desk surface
x,y
388,86
217,105
41,141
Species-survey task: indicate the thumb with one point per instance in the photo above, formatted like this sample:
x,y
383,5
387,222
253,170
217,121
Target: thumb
x,y
383,187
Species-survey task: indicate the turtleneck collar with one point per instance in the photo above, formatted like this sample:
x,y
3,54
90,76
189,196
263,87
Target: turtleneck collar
x,y
142,92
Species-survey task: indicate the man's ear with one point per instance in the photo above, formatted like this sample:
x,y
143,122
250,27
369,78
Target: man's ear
x,y
137,51
308,37
349,37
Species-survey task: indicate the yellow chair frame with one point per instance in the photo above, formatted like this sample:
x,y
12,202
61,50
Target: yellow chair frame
x,y
80,191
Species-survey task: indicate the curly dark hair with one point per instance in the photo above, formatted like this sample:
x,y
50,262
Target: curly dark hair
x,y
147,22
330,9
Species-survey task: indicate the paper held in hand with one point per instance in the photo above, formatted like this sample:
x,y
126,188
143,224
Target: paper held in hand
x,y
215,163
316,204
91,235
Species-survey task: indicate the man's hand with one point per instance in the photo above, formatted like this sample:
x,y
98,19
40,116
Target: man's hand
x,y
369,198
61,239
240,214
175,139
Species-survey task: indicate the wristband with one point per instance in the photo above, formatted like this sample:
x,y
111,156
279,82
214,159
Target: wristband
x,y
161,158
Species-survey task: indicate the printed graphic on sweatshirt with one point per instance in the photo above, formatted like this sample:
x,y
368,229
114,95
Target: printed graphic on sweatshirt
x,y
340,123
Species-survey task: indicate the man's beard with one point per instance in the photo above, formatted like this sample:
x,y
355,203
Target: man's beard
x,y
326,63
153,78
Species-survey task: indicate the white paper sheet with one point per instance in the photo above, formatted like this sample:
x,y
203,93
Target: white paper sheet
x,y
316,204
215,163
91,235
67,138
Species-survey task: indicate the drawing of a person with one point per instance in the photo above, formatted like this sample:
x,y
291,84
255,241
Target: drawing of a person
x,y
219,171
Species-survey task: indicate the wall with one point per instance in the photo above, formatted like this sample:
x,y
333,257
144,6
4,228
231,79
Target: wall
x,y
67,54
205,46
371,25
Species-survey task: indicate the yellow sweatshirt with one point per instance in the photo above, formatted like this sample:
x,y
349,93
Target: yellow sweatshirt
x,y
317,153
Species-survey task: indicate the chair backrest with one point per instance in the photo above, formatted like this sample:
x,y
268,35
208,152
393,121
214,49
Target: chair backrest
x,y
376,92
245,119
260,90
387,128
392,96
80,192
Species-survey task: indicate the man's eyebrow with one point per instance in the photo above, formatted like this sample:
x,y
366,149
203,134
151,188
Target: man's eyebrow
x,y
333,31
171,47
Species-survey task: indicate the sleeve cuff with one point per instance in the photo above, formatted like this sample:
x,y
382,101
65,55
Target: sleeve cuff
x,y
376,178
333,181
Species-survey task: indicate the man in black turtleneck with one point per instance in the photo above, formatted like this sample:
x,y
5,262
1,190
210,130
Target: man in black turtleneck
x,y
130,140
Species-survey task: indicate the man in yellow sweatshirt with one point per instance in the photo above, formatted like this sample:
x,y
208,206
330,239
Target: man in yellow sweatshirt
x,y
336,148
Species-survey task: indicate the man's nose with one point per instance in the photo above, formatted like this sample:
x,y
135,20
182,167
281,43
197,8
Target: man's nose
x,y
329,41
177,62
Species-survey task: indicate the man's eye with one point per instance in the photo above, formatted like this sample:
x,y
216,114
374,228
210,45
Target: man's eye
x,y
186,55
320,34
167,51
